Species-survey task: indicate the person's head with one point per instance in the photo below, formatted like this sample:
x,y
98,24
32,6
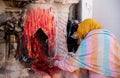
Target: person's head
x,y
86,26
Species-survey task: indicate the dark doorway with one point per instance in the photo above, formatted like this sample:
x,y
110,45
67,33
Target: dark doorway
x,y
43,39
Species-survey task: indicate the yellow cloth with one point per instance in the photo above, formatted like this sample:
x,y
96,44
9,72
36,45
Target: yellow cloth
x,y
86,26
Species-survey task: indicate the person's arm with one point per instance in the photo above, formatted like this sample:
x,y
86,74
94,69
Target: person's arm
x,y
64,64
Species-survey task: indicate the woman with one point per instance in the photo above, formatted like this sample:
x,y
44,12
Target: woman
x,y
98,53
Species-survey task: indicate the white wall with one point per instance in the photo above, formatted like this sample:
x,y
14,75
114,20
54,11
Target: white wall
x,y
107,12
86,11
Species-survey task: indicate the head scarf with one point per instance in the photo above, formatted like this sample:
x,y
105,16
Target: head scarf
x,y
86,26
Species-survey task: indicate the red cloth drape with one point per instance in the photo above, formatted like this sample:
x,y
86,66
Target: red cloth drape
x,y
40,18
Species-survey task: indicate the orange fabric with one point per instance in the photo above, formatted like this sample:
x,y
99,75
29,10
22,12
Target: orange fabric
x,y
94,56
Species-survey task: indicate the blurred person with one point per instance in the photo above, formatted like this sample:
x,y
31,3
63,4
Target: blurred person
x,y
98,54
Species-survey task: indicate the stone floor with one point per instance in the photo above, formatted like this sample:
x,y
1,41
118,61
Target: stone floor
x,y
14,69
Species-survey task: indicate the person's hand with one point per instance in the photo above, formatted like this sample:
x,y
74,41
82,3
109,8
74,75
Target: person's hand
x,y
52,60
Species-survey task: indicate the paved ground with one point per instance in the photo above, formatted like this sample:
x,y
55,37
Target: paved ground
x,y
14,69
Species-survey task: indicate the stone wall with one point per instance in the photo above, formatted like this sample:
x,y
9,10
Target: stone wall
x,y
60,10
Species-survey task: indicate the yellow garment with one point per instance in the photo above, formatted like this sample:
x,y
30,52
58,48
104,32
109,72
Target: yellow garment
x,y
86,26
